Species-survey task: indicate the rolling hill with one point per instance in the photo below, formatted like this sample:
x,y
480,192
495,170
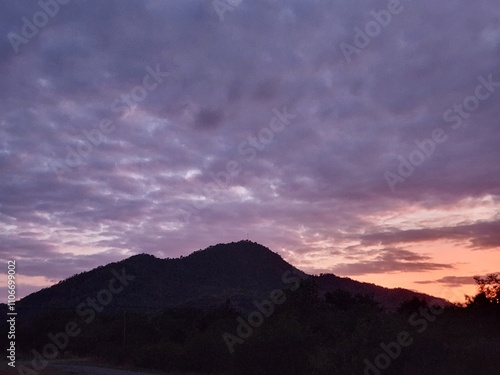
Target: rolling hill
x,y
238,271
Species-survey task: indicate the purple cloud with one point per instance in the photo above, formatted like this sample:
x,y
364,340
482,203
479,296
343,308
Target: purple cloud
x,y
141,188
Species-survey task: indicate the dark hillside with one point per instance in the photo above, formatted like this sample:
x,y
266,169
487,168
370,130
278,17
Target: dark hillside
x,y
239,271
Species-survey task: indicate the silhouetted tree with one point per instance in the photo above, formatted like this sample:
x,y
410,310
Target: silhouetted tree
x,y
411,306
489,286
344,300
487,299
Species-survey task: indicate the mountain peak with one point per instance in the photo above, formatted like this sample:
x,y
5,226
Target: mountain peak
x,y
244,255
234,248
240,271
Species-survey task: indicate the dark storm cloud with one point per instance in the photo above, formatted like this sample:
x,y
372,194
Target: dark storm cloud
x,y
389,261
208,119
138,189
482,235
452,281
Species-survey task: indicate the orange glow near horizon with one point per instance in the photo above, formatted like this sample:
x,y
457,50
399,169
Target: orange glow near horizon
x,y
466,262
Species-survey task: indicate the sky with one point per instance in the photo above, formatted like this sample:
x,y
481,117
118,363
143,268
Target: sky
x,y
358,138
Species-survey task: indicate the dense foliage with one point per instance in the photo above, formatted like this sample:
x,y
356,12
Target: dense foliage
x,y
338,333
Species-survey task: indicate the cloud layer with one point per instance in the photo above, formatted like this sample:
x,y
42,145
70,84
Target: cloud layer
x,y
207,154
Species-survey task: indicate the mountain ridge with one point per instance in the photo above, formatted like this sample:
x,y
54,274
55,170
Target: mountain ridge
x,y
237,271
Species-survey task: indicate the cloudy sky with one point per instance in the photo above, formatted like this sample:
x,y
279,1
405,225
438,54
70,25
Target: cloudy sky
x,y
355,137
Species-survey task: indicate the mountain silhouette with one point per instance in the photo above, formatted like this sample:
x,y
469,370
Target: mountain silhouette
x,y
239,272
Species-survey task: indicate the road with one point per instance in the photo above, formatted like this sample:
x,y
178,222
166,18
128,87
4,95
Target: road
x,y
82,369
69,368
